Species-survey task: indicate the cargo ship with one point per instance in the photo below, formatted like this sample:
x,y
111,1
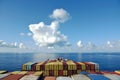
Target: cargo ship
x,y
60,69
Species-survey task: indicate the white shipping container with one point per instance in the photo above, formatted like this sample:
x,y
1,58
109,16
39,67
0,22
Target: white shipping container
x,y
80,77
30,77
3,75
112,76
63,78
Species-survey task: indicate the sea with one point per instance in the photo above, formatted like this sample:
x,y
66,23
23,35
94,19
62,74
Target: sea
x,y
14,61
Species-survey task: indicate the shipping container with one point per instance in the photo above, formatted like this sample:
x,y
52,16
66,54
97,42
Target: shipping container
x,y
83,66
78,71
65,72
50,78
30,72
13,77
63,78
60,65
107,72
60,72
51,72
65,66
29,77
15,72
79,67
80,77
69,72
56,73
27,66
96,65
38,65
33,67
47,66
117,71
97,77
46,73
112,76
3,75
2,71
38,73
19,72
71,65
84,72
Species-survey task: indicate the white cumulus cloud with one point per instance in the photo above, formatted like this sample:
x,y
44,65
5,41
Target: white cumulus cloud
x,y
15,44
21,45
60,15
91,45
85,47
113,44
49,35
80,44
109,44
11,45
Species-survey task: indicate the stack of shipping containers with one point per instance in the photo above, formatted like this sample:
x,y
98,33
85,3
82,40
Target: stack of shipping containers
x,y
61,67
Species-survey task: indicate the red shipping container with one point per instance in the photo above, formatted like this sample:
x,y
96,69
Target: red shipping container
x,y
78,66
60,73
69,72
74,71
93,72
88,66
13,77
92,66
65,66
33,67
51,72
42,67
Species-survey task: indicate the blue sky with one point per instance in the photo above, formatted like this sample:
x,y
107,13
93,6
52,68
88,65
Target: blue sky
x,y
95,21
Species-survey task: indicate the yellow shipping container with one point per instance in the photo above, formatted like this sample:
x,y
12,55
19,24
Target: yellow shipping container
x,y
78,71
46,73
55,66
2,71
38,73
71,65
87,70
19,72
56,73
15,72
38,66
65,72
22,72
52,66
24,67
83,65
60,66
47,66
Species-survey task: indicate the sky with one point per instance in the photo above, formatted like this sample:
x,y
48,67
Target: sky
x,y
59,25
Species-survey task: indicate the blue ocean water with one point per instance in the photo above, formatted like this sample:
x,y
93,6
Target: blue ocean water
x,y
14,61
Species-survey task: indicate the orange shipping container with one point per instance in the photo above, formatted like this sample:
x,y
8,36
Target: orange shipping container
x,y
50,78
